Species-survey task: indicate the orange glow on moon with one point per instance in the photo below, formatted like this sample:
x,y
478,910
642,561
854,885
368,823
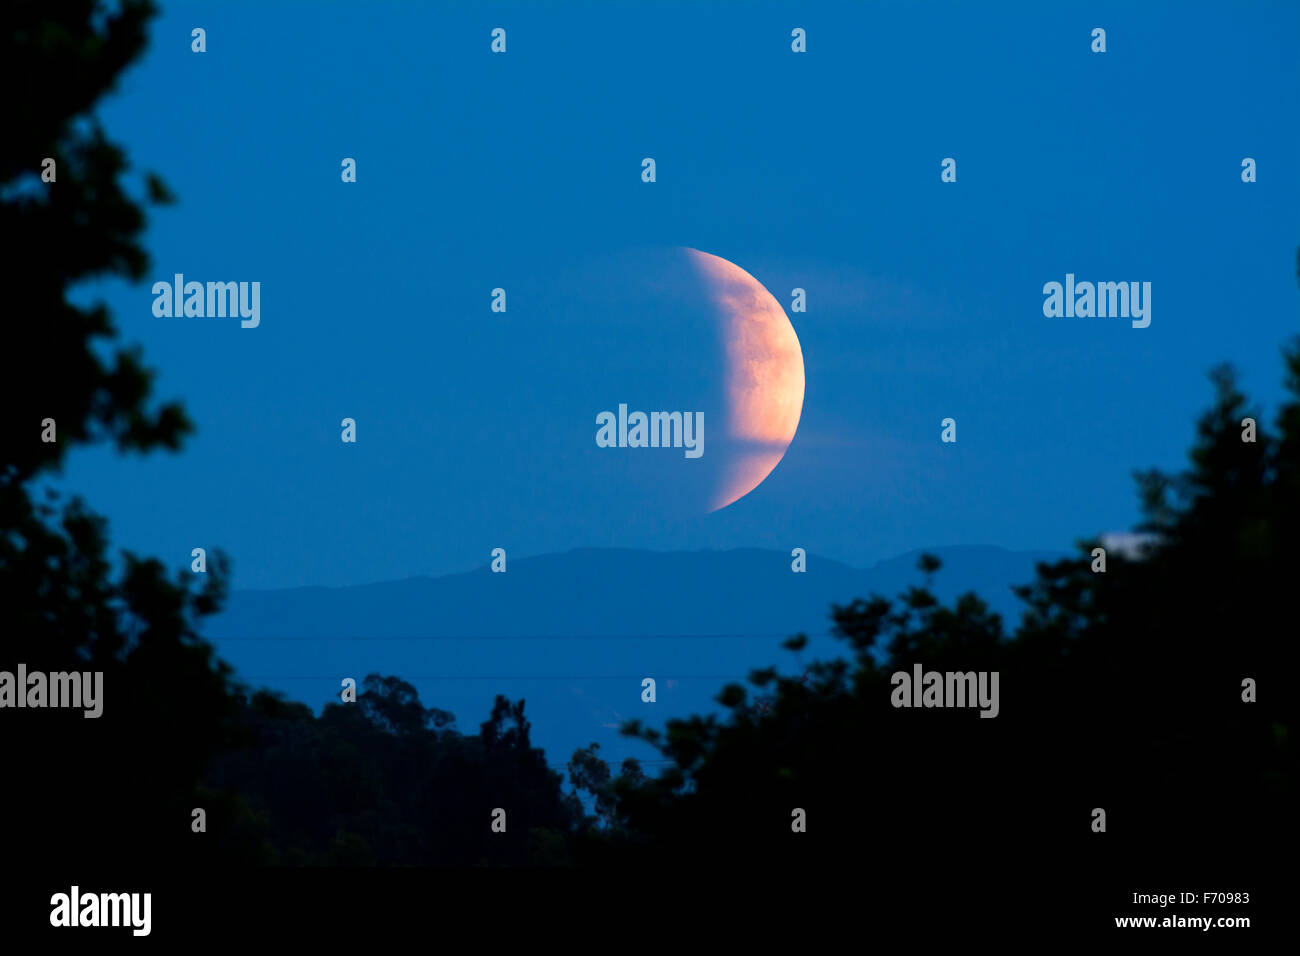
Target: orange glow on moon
x,y
764,375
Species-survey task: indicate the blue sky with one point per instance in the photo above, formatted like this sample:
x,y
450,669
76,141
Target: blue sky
x,y
817,170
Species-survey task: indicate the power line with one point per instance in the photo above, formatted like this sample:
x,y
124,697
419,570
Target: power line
x,y
410,677
536,637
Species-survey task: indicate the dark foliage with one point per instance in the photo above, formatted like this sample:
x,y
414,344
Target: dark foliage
x,y
1120,690
382,780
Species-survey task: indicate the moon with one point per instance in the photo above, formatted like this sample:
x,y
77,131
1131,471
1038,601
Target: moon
x,y
763,372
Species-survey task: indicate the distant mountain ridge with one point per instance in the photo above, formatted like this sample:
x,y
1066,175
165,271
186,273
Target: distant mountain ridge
x,y
610,592
574,634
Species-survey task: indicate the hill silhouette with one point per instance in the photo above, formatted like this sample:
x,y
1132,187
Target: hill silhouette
x,y
1160,690
575,633
610,591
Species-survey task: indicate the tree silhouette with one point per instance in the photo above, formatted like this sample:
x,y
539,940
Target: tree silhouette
x,y
166,699
1121,690
384,780
357,786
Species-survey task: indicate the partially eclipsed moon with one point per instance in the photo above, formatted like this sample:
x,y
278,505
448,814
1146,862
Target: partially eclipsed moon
x,y
764,376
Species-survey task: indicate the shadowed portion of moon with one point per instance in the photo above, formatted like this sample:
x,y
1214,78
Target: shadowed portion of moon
x,y
764,377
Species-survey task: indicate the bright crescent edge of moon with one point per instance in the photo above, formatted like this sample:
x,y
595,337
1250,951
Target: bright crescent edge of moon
x,y
765,380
